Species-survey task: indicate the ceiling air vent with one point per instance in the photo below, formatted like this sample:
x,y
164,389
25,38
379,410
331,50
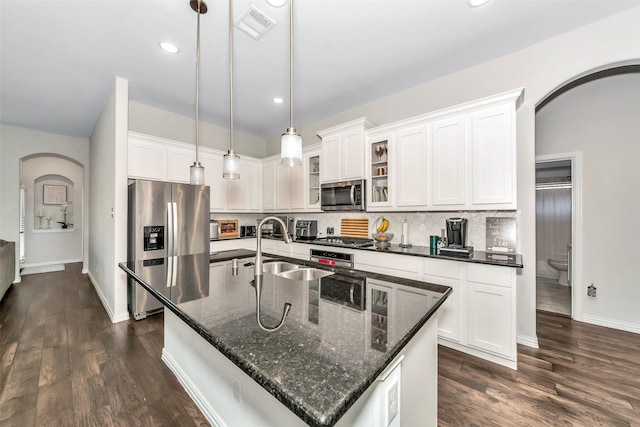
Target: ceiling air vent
x,y
254,22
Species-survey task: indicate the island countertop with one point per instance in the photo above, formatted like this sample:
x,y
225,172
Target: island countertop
x,y
328,352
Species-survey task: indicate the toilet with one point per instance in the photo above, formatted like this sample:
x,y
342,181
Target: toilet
x,y
562,266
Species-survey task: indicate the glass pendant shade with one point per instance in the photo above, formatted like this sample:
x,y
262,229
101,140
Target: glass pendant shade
x,y
231,165
196,174
291,148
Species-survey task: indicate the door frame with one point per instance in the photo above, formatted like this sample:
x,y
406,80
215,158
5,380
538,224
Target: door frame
x,y
575,264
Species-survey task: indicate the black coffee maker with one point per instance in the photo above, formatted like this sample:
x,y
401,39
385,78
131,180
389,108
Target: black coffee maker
x,y
456,238
457,232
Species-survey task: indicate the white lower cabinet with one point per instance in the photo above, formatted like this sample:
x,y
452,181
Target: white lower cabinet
x,y
489,318
447,273
479,317
491,322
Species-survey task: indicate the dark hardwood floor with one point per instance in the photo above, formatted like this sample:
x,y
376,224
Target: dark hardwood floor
x,y
62,362
582,375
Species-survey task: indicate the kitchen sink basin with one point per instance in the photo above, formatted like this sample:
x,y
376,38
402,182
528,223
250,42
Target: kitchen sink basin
x,y
305,274
278,267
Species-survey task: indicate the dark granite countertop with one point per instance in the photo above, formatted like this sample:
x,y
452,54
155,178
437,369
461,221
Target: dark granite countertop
x,y
480,257
326,354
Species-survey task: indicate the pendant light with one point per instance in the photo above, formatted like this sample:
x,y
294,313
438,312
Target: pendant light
x,y
291,142
231,161
196,173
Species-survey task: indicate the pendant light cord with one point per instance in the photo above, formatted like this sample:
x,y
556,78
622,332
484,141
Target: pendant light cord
x,y
198,84
231,75
291,64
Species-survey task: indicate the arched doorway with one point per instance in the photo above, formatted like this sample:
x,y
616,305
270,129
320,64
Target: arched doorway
x,y
595,117
52,213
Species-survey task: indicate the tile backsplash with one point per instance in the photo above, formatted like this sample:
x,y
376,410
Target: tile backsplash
x,y
421,225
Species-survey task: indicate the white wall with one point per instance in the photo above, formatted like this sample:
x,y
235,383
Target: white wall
x,y
17,143
156,122
55,246
108,202
602,120
540,69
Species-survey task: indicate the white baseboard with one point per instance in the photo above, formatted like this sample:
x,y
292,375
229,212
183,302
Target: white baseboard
x,y
614,324
528,341
513,364
114,317
120,317
193,392
103,300
42,264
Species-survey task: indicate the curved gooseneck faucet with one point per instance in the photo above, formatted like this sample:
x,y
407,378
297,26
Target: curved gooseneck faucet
x,y
258,273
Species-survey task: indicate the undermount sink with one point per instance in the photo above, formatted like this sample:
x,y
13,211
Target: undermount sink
x,y
305,274
278,267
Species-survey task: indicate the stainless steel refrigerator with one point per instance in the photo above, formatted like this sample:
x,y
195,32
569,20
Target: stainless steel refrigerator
x,y
165,220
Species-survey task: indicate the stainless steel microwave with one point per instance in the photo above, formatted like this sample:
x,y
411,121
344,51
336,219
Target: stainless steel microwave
x,y
343,196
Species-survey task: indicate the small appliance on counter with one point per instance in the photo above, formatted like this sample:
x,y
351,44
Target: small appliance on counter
x,y
214,229
247,231
456,239
277,228
306,229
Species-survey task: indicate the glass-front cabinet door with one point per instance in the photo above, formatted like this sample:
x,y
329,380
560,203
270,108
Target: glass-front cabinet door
x,y
312,179
380,171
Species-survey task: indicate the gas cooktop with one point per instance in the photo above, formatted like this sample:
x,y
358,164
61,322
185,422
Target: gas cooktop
x,y
348,242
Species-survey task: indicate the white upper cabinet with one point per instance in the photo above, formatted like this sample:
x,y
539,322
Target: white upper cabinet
x,y
147,158
160,159
237,190
493,156
342,152
212,163
254,184
283,186
269,185
411,168
459,158
296,188
243,194
283,198
180,158
448,161
330,149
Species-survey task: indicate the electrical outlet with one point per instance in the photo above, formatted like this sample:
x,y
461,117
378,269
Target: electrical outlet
x,y
392,403
237,389
591,291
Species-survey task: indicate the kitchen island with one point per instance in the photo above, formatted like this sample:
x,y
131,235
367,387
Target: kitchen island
x,y
357,348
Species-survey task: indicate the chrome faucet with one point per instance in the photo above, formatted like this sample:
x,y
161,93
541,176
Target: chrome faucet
x,y
258,273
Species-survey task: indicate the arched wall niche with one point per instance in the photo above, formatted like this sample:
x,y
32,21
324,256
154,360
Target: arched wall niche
x,y
45,208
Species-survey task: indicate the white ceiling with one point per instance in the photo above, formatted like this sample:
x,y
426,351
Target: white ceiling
x,y
59,58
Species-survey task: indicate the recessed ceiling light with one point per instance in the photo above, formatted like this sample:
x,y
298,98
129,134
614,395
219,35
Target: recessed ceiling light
x,y
278,100
168,47
476,3
277,3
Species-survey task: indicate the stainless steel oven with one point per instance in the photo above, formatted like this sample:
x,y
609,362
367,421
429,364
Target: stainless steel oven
x,y
344,288
343,196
